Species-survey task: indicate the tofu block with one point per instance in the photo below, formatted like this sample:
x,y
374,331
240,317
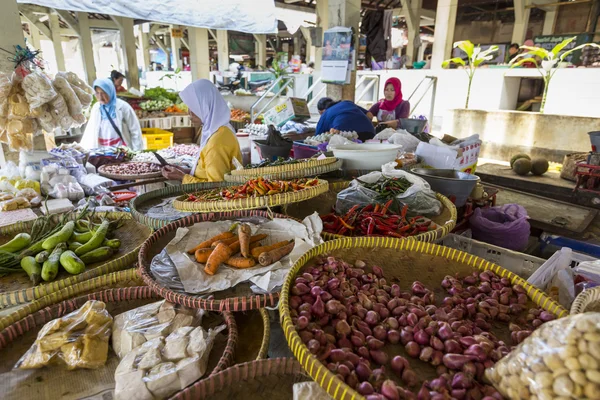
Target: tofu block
x,y
101,319
95,351
175,349
150,359
166,316
189,371
131,386
53,341
197,343
162,380
179,321
127,364
34,358
158,330
129,341
71,353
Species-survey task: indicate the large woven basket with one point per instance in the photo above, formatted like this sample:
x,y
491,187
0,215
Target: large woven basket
x,y
255,327
308,168
408,260
17,288
587,301
239,298
270,379
122,177
18,337
252,202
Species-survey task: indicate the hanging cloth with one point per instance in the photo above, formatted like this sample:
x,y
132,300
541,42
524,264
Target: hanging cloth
x,y
372,27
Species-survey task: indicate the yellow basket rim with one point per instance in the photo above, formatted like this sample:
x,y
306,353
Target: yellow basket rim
x,y
286,175
309,163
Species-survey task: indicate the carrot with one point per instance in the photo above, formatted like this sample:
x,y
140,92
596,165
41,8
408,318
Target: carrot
x,y
244,233
203,254
219,255
268,258
241,262
235,247
257,251
207,243
226,242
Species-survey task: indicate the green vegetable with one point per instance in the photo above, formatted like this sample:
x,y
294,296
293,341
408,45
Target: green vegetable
x,y
59,237
50,267
19,242
32,250
95,241
82,237
98,255
112,243
33,269
74,246
71,263
41,257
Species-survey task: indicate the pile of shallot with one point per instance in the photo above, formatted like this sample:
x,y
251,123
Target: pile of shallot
x,y
347,315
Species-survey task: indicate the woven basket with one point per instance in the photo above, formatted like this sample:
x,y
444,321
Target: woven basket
x,y
306,163
255,327
239,298
408,260
307,171
252,202
587,301
16,288
121,177
258,380
16,338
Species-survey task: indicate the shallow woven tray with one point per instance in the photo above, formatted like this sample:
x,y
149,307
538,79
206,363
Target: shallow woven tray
x,y
253,202
587,301
17,288
270,379
18,337
255,327
120,177
278,169
239,298
286,175
408,260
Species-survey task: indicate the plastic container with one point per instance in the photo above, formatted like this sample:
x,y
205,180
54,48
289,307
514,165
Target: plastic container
x,y
449,182
595,139
160,123
366,156
551,243
303,150
156,139
272,152
180,121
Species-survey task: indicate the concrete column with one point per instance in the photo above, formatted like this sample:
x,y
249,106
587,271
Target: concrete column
x,y
421,55
322,9
413,21
296,44
128,46
35,36
87,49
145,49
310,50
445,20
199,54
550,21
223,49
521,21
57,42
175,50
261,49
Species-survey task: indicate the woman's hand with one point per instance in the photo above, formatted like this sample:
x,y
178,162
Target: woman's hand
x,y
174,173
391,124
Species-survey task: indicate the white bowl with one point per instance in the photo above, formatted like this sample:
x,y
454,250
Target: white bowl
x,y
366,156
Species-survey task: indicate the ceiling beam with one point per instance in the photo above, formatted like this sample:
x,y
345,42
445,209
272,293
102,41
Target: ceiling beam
x,y
34,20
294,7
69,20
34,9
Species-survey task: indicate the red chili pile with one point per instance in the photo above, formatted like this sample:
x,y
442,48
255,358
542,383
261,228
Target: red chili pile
x,y
376,220
346,316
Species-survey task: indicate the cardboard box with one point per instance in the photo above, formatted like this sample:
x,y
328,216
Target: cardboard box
x,y
292,109
463,159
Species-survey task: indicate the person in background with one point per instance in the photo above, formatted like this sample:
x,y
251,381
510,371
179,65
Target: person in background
x,y
112,121
118,79
344,116
392,107
513,51
218,143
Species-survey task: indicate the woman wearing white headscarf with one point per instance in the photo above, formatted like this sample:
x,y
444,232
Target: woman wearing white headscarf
x,y
218,144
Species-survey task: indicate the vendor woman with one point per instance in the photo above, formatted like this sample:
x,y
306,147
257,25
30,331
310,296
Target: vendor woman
x,y
218,144
344,116
392,107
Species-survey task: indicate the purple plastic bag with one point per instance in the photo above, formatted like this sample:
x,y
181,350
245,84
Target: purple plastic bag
x,y
505,226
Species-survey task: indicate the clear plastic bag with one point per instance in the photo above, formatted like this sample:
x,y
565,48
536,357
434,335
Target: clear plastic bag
x,y
560,360
408,142
77,340
38,89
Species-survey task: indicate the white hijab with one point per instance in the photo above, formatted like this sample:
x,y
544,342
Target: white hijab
x,y
204,100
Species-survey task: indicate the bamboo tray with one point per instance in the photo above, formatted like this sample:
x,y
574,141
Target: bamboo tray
x,y
17,288
304,164
253,202
238,298
18,337
258,380
405,261
255,327
587,301
285,175
122,177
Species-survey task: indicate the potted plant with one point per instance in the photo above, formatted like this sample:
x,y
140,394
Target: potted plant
x,y
546,61
475,57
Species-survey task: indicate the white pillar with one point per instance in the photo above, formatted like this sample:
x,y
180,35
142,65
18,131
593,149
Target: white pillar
x,y
521,21
445,20
199,54
296,44
145,49
413,22
550,21
129,53
86,47
35,36
310,50
223,49
322,9
175,49
261,49
57,42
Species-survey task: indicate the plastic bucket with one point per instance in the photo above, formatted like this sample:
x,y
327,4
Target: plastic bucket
x,y
595,139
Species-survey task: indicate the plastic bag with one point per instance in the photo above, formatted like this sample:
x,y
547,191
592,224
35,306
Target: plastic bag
x,y
70,190
162,366
408,142
135,327
95,184
38,89
77,340
560,360
505,226
385,134
419,197
16,203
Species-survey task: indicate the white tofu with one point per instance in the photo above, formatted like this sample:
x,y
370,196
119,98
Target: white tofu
x,y
131,386
175,349
180,332
151,308
129,341
197,343
189,371
165,306
127,364
150,359
159,330
179,321
166,316
162,380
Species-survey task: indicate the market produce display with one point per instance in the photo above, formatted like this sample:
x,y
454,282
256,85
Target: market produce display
x,y
130,169
238,115
177,109
274,163
387,188
365,329
522,164
253,188
376,220
182,150
326,137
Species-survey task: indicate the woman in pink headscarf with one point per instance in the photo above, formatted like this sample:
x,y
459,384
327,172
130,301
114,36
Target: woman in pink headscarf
x,y
392,107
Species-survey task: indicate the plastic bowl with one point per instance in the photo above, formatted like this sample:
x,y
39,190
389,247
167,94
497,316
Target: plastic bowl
x,y
449,183
366,156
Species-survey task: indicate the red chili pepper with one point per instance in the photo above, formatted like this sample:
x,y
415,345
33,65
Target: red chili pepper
x,y
404,211
345,224
394,234
387,205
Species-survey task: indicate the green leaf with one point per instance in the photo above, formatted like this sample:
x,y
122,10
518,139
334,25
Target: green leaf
x,y
480,60
456,60
562,45
538,51
178,70
520,62
466,46
566,53
489,51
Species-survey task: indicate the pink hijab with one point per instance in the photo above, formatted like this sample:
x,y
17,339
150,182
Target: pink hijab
x,y
390,105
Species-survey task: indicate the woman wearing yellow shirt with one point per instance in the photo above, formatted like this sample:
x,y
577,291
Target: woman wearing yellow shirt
x,y
218,144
